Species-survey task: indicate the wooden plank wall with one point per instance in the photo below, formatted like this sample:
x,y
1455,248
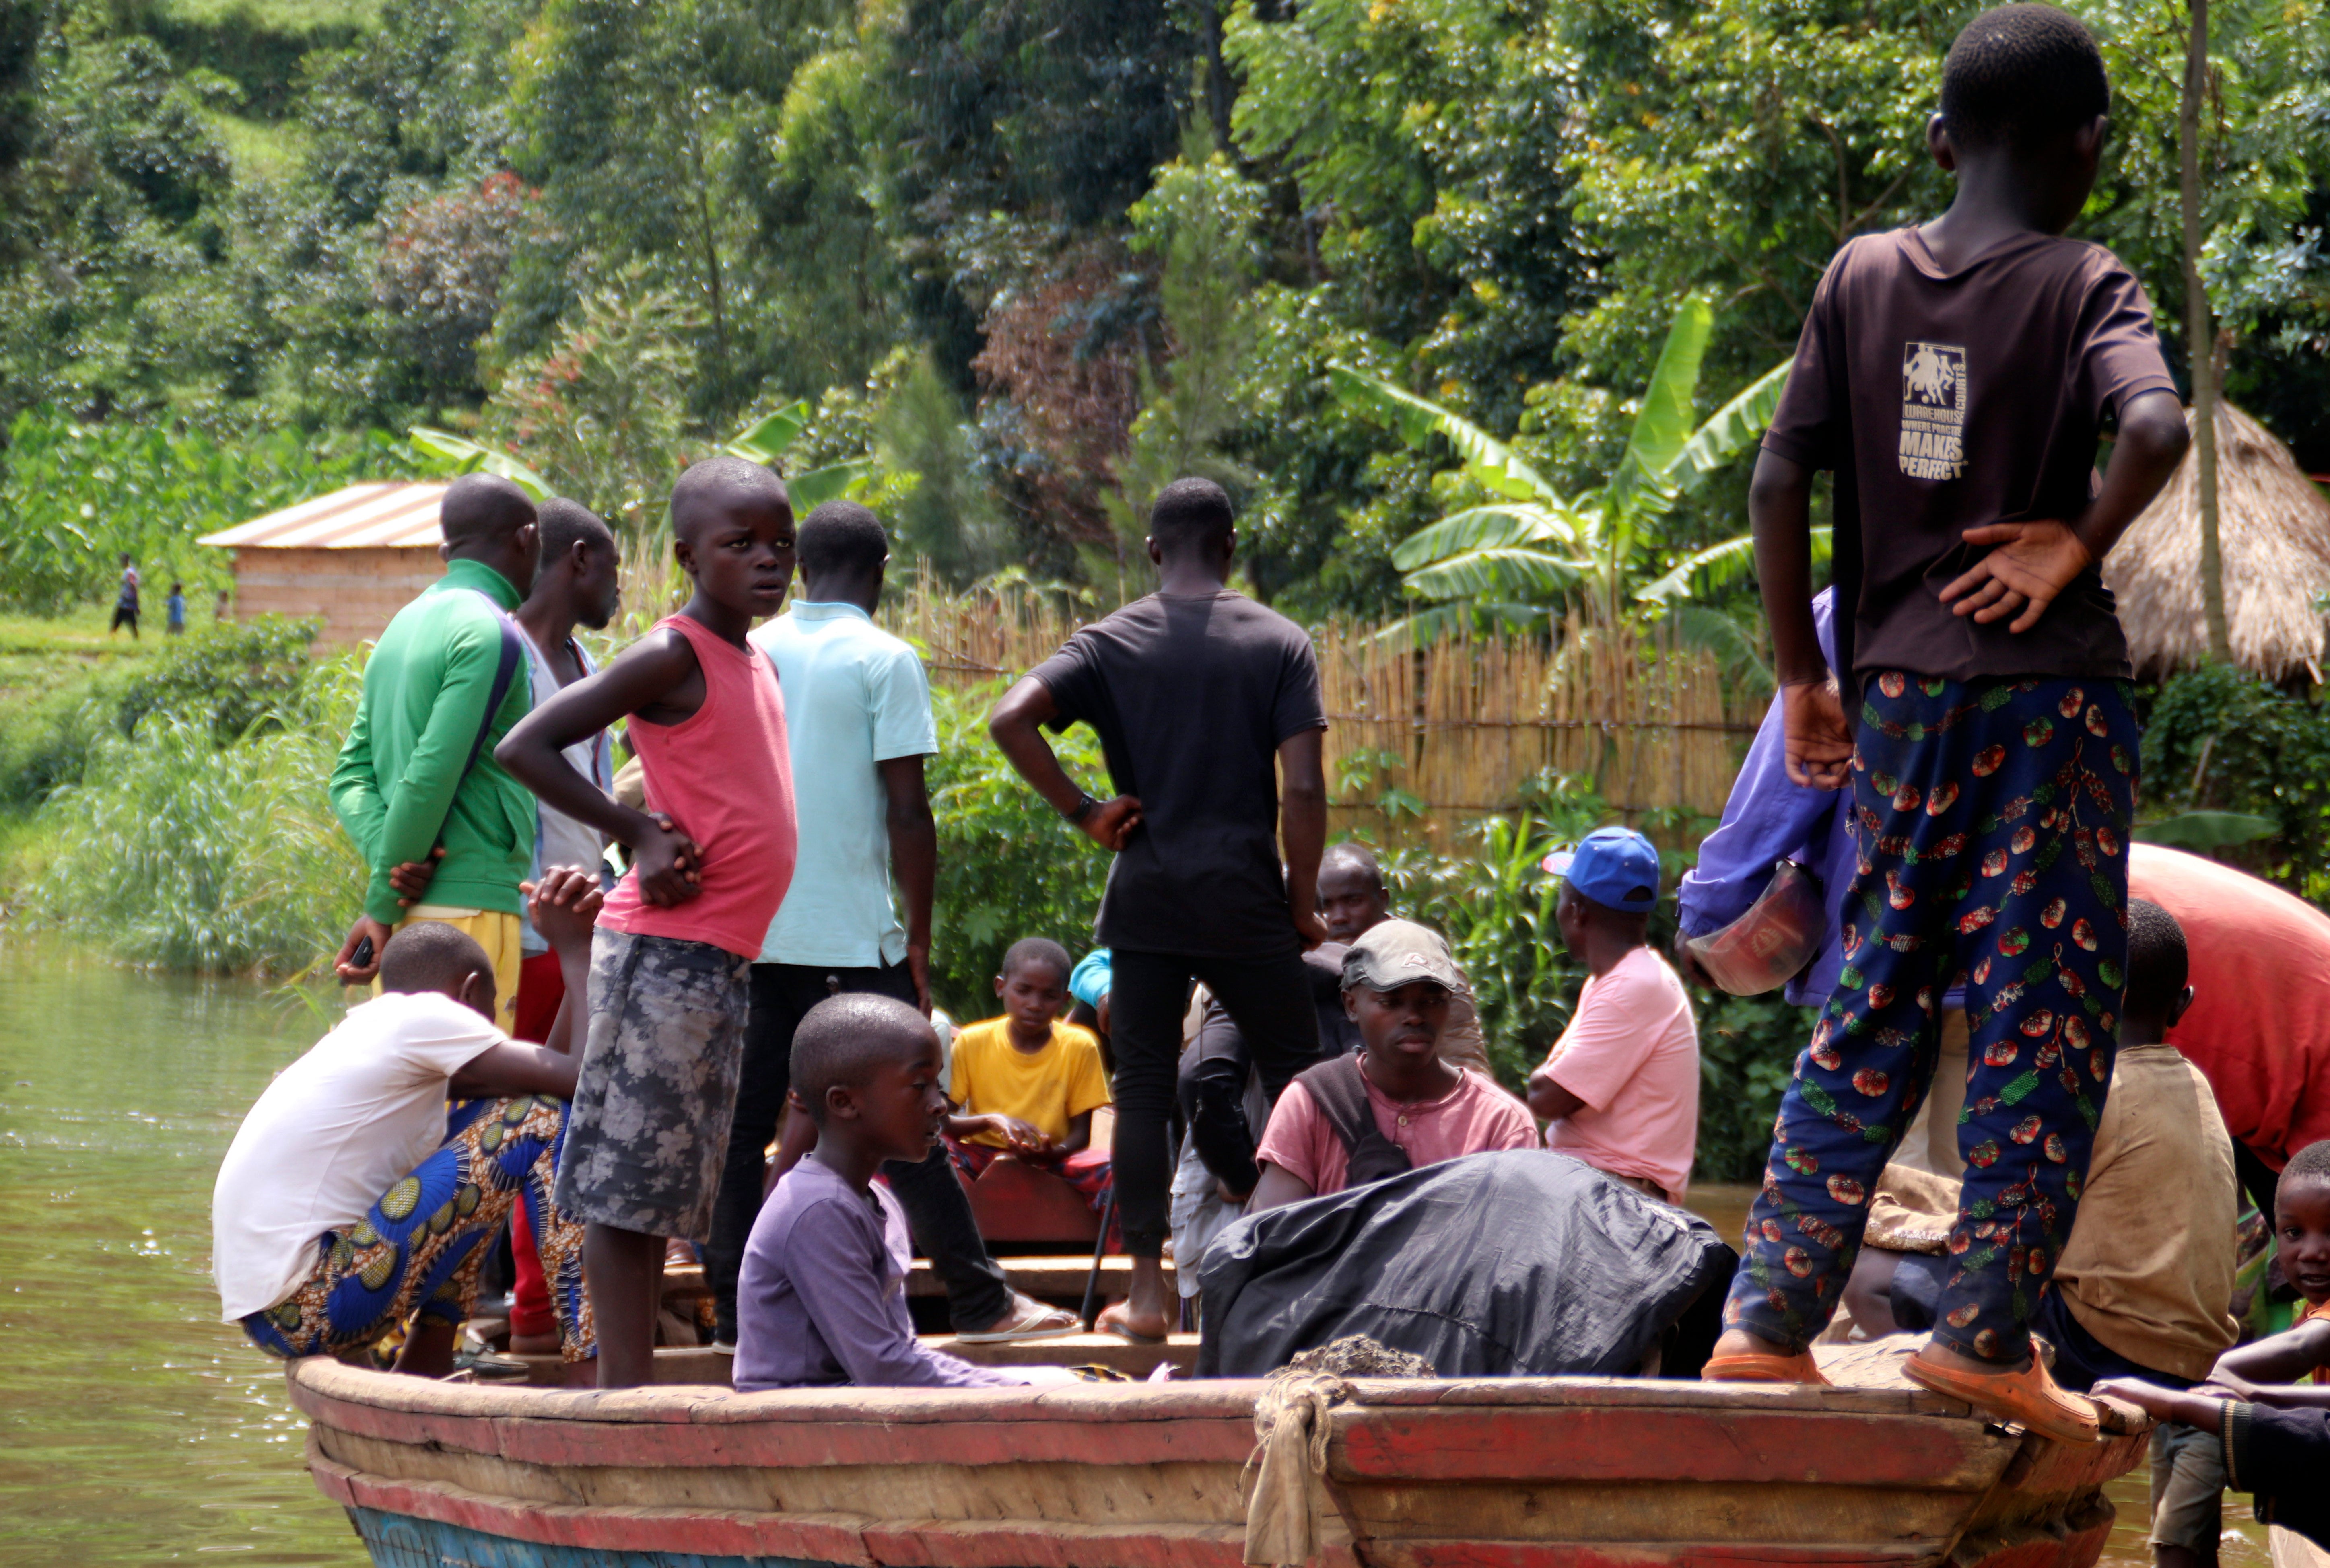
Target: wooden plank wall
x,y
1462,727
355,593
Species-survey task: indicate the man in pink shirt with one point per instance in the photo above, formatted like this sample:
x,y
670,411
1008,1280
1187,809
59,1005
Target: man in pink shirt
x,y
1620,1089
1396,1103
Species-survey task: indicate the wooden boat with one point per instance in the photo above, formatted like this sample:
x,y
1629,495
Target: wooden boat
x,y
1512,1473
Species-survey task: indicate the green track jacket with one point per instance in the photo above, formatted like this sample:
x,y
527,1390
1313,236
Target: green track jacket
x,y
399,777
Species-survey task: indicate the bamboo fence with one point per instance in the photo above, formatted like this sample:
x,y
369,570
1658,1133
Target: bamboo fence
x,y
1459,729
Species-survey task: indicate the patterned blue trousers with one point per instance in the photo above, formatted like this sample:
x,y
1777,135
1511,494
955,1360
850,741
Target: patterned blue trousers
x,y
1992,819
417,1252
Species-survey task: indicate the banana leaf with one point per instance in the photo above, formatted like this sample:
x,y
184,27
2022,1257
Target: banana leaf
x,y
1509,573
1720,563
762,442
469,456
2203,830
1488,461
1737,424
1663,426
1484,528
813,489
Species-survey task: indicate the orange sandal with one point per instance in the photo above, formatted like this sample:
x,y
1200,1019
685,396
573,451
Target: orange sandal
x,y
1798,1368
2029,1397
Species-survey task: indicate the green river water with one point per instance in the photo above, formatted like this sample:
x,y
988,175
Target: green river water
x,y
134,1427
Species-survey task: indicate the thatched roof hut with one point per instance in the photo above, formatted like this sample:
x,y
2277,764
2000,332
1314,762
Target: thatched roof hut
x,y
2274,529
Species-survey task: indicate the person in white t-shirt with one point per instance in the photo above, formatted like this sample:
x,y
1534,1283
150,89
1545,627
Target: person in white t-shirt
x,y
354,1197
1619,1089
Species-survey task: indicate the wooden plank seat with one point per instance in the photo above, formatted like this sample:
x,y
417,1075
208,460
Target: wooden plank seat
x,y
1056,1278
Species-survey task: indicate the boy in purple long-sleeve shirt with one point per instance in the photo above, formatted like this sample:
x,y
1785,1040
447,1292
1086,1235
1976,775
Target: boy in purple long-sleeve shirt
x,y
821,1299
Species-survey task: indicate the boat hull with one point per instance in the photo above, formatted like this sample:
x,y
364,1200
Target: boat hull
x,y
1519,1473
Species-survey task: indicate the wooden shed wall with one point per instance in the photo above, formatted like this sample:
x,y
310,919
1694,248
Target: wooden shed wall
x,y
354,591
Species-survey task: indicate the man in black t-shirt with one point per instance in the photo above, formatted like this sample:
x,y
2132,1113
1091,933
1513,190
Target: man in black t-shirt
x,y
1195,692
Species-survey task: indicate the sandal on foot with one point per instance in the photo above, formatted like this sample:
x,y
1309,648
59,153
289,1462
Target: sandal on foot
x,y
1116,1324
1798,1368
2029,1398
1028,1318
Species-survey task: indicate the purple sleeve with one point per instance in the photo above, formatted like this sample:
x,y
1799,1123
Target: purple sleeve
x,y
835,1258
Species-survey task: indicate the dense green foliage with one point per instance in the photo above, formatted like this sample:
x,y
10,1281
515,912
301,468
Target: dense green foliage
x,y
2219,739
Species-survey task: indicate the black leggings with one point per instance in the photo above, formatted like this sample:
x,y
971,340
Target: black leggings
x,y
1270,1001
937,1209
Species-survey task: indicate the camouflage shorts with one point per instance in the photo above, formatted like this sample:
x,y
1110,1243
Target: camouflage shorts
x,y
658,1089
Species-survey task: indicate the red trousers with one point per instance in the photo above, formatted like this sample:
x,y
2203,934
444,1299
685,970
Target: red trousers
x,y
541,986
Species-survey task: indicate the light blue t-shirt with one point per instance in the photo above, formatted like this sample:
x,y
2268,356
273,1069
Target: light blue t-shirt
x,y
855,695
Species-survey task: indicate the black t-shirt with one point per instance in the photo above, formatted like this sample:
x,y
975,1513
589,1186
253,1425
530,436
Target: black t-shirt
x,y
1944,400
1191,696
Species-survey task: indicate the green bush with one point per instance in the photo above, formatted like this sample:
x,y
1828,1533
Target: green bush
x,y
237,676
2219,738
46,740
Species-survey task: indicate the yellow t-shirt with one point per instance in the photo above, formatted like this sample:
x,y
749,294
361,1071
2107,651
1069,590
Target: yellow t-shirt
x,y
1046,1089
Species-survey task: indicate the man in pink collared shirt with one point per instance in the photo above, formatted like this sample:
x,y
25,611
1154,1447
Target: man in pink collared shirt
x,y
1620,1089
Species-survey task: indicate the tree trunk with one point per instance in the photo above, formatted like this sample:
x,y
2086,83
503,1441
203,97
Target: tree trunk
x,y
2201,333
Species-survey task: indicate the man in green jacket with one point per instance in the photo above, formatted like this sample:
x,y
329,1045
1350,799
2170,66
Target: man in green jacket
x,y
416,786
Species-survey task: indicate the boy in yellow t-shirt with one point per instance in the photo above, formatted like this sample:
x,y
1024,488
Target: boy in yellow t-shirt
x,y
1026,1083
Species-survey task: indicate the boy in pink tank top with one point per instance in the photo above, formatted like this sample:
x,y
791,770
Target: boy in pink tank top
x,y
711,859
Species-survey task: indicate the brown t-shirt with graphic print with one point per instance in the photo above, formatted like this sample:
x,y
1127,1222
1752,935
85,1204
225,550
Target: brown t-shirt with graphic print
x,y
1944,400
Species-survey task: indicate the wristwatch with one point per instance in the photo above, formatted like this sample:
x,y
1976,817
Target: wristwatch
x,y
1085,807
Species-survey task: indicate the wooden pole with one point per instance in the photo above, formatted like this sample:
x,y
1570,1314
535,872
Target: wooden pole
x,y
2200,333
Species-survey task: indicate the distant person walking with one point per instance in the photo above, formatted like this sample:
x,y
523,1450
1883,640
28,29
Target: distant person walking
x,y
175,608
1205,702
124,604
417,786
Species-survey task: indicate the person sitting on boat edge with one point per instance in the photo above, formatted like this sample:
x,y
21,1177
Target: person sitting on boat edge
x,y
2272,1440
1394,1104
353,1197
1025,1084
822,1297
1619,1089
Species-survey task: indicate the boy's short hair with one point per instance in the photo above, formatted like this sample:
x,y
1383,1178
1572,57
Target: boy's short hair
x,y
1191,514
431,956
566,524
2158,964
482,509
716,480
844,537
2019,72
1037,950
843,1039
2309,1165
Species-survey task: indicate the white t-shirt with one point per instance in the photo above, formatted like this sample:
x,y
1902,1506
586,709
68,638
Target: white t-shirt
x,y
333,1133
1631,1053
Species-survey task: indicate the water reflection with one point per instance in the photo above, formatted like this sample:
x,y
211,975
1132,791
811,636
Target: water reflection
x,y
134,1428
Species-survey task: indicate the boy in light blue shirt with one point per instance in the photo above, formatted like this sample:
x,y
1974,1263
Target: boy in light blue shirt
x,y
859,724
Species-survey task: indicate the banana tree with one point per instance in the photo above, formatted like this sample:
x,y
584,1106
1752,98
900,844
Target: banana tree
x,y
762,442
1532,548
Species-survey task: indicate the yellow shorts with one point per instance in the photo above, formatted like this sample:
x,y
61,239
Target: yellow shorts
x,y
495,932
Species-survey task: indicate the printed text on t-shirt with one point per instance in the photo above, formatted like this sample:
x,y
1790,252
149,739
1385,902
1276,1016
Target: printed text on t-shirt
x,y
1933,410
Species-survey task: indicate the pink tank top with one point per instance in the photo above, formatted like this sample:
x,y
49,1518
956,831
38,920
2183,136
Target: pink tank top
x,y
725,779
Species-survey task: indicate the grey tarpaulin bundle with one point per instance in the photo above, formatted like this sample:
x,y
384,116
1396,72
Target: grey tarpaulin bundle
x,y
1524,1262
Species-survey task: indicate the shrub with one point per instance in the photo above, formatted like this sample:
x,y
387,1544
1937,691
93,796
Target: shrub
x,y
236,677
2219,738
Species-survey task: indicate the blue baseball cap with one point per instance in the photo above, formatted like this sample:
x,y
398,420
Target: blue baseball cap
x,y
1616,867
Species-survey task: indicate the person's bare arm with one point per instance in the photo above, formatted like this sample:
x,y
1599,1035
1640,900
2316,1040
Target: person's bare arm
x,y
509,1068
2193,1409
1016,727
1020,1137
914,861
655,679
2030,563
1548,1100
1303,827
1276,1189
2281,1358
1819,747
1079,1136
564,906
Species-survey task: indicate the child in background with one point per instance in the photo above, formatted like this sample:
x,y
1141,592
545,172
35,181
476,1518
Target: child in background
x,y
1619,1089
174,607
2273,1441
669,989
124,603
1395,1104
821,1299
1956,377
1027,1082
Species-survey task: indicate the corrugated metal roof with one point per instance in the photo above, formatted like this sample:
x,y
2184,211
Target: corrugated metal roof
x,y
385,516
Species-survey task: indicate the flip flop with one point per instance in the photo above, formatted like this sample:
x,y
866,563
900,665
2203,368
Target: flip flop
x,y
2029,1397
1798,1368
1028,1319
1118,1326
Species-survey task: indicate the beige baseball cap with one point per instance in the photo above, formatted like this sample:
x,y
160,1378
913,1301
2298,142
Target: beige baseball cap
x,y
1390,954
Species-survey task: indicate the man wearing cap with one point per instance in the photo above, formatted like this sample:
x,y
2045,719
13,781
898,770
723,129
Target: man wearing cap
x,y
1620,1089
1397,1103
